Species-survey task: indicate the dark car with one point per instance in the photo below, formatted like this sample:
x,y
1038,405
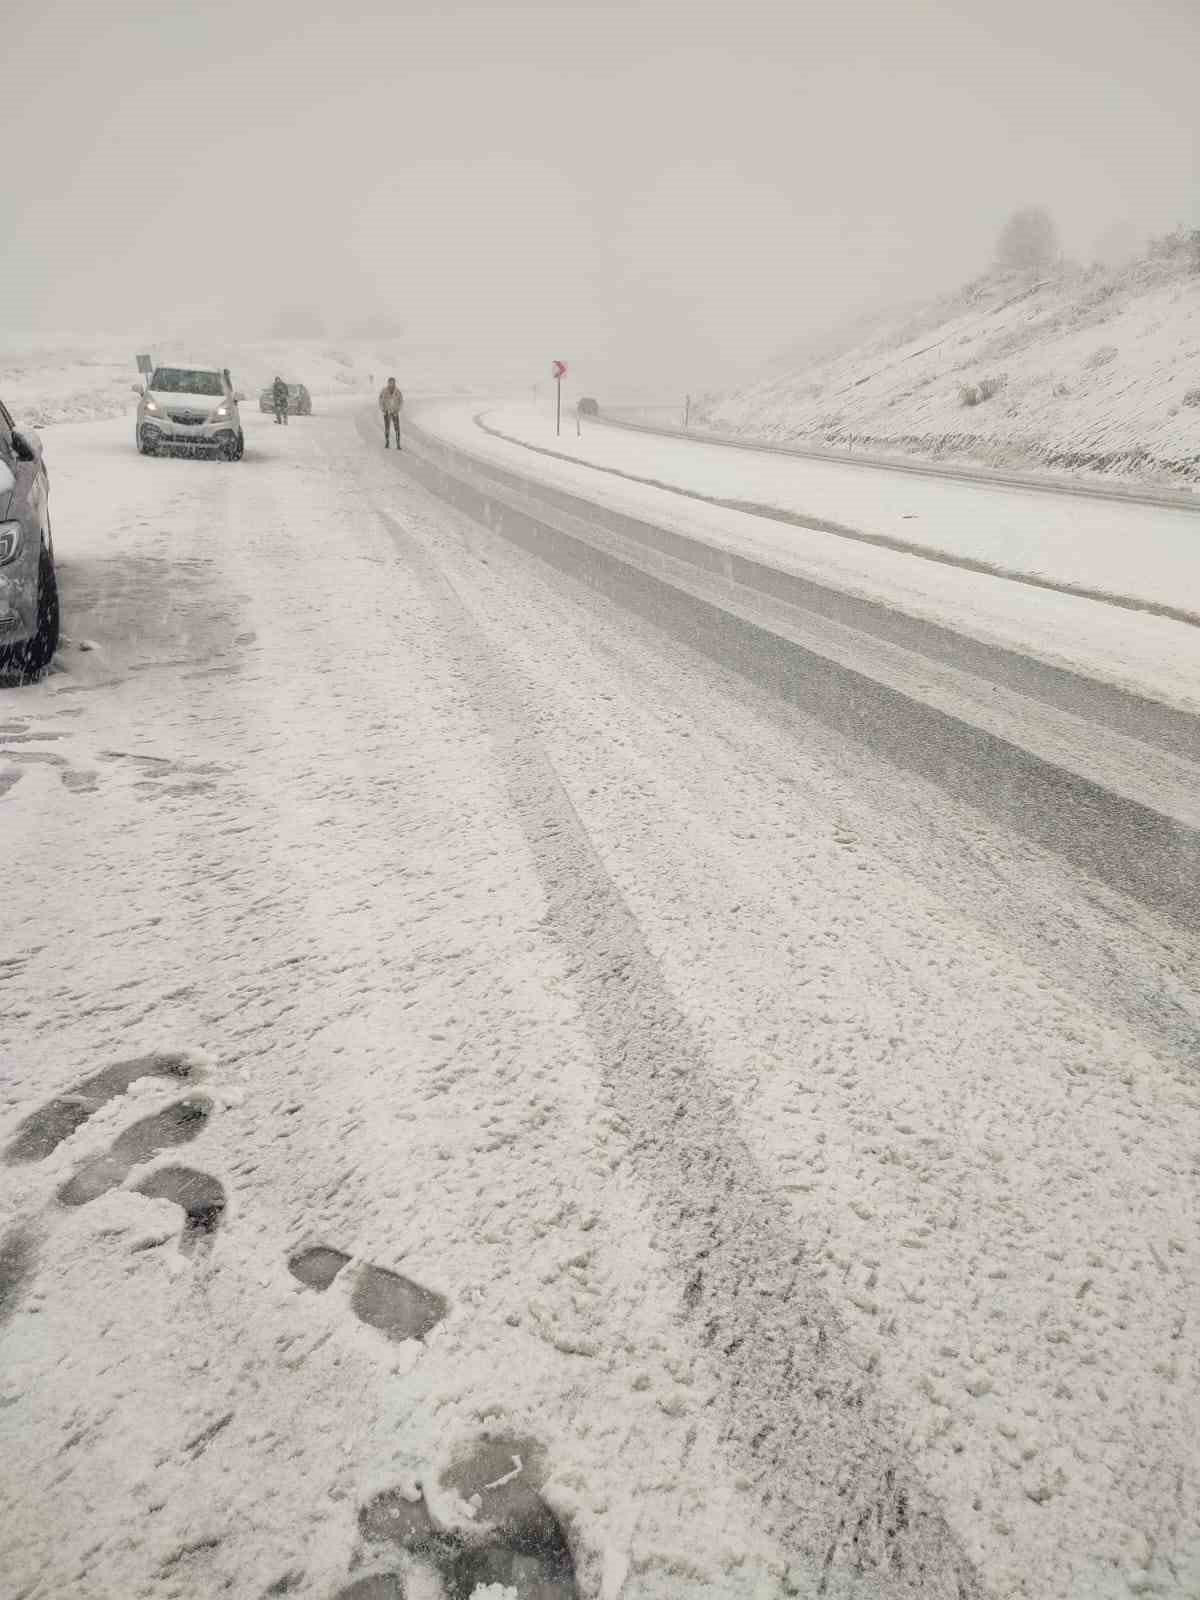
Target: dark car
x,y
588,407
299,400
28,586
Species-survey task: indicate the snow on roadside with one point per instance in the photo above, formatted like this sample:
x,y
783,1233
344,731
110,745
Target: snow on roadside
x,y
1148,654
1146,552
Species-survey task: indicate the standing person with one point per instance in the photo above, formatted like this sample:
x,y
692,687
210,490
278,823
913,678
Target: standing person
x,y
280,396
391,401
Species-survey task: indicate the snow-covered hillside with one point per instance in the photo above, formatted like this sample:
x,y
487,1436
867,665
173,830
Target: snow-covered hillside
x,y
44,380
1083,370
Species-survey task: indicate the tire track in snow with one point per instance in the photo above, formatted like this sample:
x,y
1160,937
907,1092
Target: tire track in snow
x,y
802,1413
1123,843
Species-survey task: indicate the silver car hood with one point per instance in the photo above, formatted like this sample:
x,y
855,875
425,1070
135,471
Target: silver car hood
x,y
171,400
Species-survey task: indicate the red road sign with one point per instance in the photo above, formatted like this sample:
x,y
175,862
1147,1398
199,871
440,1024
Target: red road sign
x,y
559,369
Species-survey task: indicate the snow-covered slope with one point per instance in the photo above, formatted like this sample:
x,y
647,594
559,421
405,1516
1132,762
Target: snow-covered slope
x,y
1095,370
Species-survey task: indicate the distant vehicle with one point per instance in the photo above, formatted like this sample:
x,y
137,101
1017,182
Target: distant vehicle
x,y
299,400
190,408
588,407
28,586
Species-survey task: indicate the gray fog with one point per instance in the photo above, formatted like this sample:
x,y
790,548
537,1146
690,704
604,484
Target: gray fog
x,y
653,187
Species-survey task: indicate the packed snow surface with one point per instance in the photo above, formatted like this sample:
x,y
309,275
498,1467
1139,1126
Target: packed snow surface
x,y
431,892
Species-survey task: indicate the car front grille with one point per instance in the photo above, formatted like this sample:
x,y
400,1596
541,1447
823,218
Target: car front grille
x,y
191,419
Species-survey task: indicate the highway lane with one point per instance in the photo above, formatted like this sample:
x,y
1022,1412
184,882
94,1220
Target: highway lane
x,y
704,763
1105,778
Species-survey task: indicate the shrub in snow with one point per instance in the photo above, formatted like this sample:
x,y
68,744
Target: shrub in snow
x,y
1192,397
1028,240
1183,242
1101,356
974,394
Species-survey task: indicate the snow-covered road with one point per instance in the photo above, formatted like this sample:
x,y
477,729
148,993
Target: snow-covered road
x,y
1146,554
800,1166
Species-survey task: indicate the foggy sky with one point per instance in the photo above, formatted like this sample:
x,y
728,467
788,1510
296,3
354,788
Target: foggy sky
x,y
651,187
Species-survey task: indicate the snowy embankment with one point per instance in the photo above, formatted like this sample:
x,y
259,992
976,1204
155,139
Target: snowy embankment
x,y
1087,371
1146,554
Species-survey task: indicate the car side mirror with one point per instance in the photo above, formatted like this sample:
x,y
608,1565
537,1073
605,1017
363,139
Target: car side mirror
x,y
25,449
239,396
138,388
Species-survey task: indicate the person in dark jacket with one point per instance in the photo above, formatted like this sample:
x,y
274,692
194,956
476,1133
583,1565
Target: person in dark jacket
x,y
391,403
279,394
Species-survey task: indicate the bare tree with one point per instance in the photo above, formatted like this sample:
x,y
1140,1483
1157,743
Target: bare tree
x,y
1028,240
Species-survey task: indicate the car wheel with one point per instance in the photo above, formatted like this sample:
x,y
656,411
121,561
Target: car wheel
x,y
33,657
146,446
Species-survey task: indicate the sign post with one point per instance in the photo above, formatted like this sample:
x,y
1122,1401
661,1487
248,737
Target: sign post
x,y
558,371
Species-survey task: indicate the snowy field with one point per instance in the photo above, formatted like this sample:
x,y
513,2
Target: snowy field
x,y
791,1173
45,381
1149,554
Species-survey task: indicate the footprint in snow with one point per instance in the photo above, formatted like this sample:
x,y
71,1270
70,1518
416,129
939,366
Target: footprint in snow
x,y
396,1306
201,1197
377,1586
175,1124
44,1129
515,1542
77,780
17,1261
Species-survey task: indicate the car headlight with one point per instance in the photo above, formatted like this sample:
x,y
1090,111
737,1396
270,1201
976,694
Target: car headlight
x,y
223,412
10,541
152,407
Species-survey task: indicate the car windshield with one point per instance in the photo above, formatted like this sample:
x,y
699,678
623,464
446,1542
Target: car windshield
x,y
187,380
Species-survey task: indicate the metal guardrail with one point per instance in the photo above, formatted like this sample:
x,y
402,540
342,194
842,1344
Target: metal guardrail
x,y
883,541
1176,499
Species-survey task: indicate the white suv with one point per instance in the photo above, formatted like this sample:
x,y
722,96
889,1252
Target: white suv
x,y
190,408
